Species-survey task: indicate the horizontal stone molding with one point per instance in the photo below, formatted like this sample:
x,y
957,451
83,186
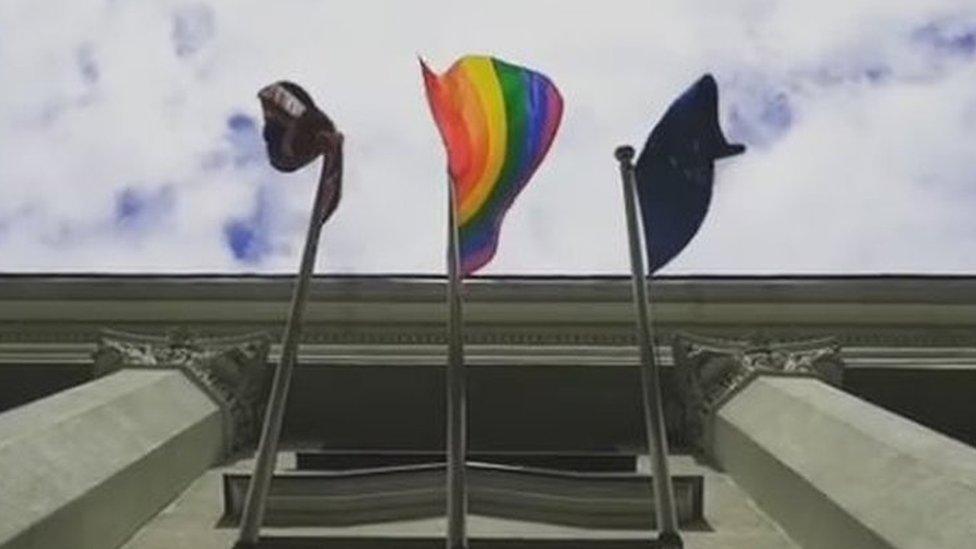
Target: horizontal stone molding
x,y
379,310
425,354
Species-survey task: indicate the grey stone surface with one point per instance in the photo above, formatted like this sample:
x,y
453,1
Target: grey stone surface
x,y
352,310
83,469
835,471
234,371
366,335
734,521
710,372
381,326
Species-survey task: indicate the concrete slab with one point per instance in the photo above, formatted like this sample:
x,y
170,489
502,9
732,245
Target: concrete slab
x,y
836,471
83,469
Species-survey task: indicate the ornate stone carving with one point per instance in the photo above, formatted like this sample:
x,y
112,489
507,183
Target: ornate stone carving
x,y
711,371
52,335
233,371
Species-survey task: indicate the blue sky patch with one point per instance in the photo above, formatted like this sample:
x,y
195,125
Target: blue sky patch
x,y
248,237
138,209
193,27
246,241
949,36
877,74
759,117
87,67
245,140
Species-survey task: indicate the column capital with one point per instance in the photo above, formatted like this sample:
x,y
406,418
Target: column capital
x,y
711,371
232,371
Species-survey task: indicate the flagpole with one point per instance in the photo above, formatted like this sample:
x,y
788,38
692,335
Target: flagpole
x,y
457,537
257,490
667,521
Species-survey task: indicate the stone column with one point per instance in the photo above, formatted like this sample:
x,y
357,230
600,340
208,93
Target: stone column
x,y
84,468
832,470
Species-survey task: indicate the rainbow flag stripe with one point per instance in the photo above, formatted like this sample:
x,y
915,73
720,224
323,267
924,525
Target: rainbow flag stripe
x,y
497,121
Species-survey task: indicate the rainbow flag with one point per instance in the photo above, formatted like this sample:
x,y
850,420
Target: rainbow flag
x,y
497,121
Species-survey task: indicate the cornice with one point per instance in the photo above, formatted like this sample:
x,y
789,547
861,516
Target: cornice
x,y
46,318
313,355
874,289
53,337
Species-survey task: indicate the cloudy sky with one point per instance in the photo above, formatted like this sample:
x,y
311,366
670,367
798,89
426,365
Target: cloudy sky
x,y
130,132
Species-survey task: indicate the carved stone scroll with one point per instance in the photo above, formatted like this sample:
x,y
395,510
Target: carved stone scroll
x,y
233,371
712,371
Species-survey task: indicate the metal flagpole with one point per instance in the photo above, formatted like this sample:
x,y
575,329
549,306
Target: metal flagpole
x,y
457,537
667,520
257,491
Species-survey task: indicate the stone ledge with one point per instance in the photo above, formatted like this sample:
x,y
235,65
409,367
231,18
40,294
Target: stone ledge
x,y
86,467
835,471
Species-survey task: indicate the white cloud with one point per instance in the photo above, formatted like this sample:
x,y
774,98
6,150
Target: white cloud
x,y
861,119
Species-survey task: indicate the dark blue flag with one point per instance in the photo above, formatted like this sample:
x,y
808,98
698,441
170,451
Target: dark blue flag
x,y
675,171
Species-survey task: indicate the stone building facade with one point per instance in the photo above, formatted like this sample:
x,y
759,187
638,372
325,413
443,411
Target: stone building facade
x,y
801,411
